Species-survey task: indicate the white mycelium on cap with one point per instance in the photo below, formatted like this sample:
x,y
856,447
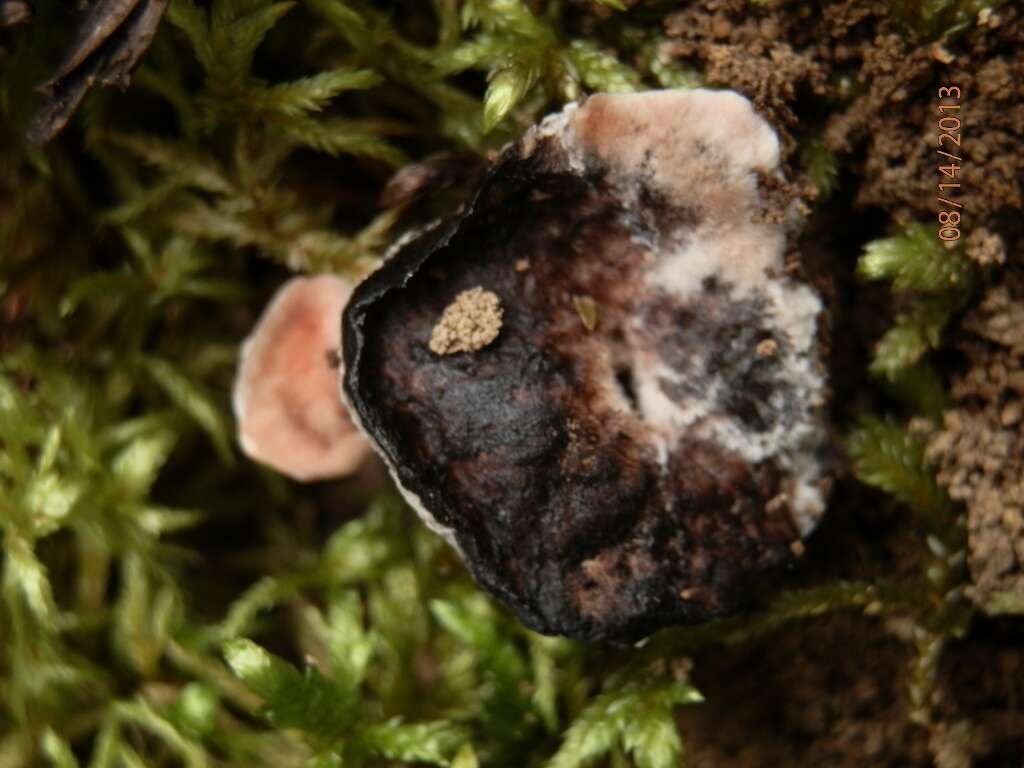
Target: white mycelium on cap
x,y
707,152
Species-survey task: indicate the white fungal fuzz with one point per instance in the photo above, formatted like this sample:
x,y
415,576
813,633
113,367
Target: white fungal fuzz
x,y
707,152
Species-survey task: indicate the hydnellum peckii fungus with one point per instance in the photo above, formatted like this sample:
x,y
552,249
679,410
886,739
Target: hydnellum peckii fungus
x,y
641,434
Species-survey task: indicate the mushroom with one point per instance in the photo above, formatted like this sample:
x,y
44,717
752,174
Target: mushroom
x,y
644,437
285,396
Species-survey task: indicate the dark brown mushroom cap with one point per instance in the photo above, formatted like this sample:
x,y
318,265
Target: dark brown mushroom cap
x,y
644,438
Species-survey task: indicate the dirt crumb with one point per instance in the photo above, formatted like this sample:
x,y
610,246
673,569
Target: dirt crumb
x,y
985,248
468,324
586,308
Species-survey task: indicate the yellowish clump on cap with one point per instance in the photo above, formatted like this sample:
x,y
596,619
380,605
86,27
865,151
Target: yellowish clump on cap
x,y
468,324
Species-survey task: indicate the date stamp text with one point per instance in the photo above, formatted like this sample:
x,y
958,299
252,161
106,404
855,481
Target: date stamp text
x,y
950,162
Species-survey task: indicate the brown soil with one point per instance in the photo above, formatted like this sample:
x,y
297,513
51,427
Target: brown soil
x,y
826,693
980,450
885,82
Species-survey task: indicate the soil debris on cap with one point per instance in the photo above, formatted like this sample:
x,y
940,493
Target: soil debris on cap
x,y
586,307
468,324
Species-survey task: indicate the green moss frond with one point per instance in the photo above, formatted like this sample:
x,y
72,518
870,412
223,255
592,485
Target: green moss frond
x,y
313,93
821,166
225,39
522,52
916,260
941,19
373,42
887,457
324,709
637,718
940,279
916,332
921,389
600,71
57,751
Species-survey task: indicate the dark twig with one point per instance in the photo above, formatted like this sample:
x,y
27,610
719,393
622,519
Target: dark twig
x,y
111,40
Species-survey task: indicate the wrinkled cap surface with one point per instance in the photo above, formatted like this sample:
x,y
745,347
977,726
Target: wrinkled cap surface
x,y
285,397
644,438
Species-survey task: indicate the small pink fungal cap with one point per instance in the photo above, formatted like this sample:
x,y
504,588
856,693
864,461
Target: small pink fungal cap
x,y
290,415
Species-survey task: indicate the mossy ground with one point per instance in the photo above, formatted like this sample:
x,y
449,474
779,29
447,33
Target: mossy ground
x,y
140,549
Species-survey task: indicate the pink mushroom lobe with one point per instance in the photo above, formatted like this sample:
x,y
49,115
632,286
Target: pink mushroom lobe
x,y
286,394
